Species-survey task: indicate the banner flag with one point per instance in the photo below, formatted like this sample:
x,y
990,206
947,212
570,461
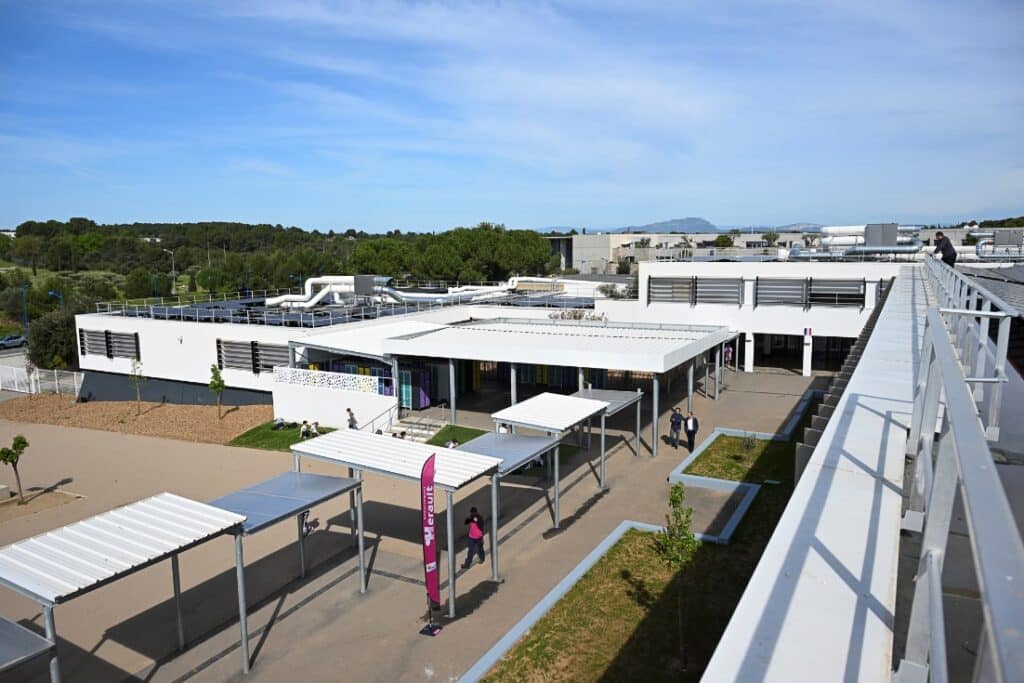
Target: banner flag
x,y
430,572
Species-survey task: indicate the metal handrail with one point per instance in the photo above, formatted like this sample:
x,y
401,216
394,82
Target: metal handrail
x,y
391,413
964,462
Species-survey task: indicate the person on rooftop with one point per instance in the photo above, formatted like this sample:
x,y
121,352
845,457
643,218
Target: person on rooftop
x,y
944,246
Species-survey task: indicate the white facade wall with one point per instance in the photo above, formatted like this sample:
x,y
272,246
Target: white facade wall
x,y
296,402
823,320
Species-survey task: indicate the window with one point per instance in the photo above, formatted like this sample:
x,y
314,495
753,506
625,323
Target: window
x,y
251,356
269,355
780,291
676,290
109,344
719,290
836,292
235,355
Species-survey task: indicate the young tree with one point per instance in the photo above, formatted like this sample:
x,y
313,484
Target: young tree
x,y
10,456
677,543
217,386
137,379
51,340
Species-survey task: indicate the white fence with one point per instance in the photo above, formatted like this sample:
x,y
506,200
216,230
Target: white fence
x,y
369,384
62,382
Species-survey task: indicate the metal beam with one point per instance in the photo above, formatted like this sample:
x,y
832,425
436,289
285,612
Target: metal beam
x,y
359,524
176,580
449,515
451,387
495,484
243,622
654,415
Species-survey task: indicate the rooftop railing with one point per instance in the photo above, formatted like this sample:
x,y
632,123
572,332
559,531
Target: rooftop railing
x,y
954,456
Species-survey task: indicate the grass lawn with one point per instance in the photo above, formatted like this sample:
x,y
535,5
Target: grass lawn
x,y
631,618
266,437
449,432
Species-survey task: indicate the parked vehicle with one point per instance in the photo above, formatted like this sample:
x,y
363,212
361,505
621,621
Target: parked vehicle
x,y
13,341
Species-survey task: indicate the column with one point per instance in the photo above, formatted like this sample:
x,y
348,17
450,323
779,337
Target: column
x,y
748,352
689,384
718,369
736,353
581,387
359,525
449,518
558,514
51,635
452,390
654,415
291,356
243,622
495,483
808,346
512,375
636,437
396,386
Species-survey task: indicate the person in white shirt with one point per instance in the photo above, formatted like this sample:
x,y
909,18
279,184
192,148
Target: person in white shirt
x,y
691,424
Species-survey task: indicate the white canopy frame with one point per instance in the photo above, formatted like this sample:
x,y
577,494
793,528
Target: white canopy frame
x,y
54,567
362,451
554,414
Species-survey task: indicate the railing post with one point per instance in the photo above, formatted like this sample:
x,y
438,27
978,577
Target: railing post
x,y
982,352
995,396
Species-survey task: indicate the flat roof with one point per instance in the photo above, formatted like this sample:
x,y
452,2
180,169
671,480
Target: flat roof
x,y
514,450
617,399
397,457
365,340
58,565
281,497
573,343
823,595
550,412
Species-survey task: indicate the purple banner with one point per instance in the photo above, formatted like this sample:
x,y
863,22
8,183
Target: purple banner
x,y
430,572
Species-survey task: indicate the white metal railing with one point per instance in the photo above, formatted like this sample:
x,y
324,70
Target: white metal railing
x,y
195,298
961,462
383,421
968,309
345,381
40,381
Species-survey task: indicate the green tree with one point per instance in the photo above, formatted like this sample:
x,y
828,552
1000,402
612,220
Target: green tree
x,y
677,544
771,237
137,379
217,386
11,456
192,285
723,241
29,248
51,340
138,284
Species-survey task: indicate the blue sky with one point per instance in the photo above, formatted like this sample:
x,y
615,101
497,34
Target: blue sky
x,y
384,114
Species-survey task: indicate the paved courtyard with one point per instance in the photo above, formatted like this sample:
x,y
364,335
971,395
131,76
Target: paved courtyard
x,y
320,628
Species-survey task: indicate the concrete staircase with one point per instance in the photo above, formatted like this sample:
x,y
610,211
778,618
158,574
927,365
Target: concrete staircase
x,y
420,426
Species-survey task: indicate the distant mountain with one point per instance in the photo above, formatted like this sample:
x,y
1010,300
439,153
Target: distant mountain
x,y
799,227
690,224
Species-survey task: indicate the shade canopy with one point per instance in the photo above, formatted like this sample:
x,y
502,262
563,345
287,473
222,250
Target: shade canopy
x,y
616,399
281,497
638,347
58,565
550,412
396,457
514,450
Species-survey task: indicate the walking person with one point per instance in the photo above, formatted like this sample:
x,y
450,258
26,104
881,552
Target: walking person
x,y
944,246
675,423
728,355
476,537
352,424
692,425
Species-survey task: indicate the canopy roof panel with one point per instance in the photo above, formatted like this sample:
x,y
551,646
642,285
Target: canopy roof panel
x,y
550,412
58,565
283,496
514,450
396,457
573,343
615,398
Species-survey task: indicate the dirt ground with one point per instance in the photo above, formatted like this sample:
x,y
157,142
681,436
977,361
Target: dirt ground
x,y
188,423
36,500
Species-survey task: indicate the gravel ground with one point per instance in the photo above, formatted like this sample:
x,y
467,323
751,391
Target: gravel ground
x,y
189,423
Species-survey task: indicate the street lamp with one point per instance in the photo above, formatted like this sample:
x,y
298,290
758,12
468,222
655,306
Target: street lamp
x,y
174,277
60,298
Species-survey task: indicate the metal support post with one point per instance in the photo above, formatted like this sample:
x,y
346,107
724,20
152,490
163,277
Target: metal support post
x,y
297,461
451,386
495,484
351,506
302,547
980,354
736,353
636,436
51,635
601,486
706,364
999,371
580,375
512,375
558,516
449,514
243,624
718,370
176,580
689,384
654,415
359,525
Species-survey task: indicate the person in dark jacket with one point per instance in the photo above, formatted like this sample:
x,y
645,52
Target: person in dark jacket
x,y
691,424
945,247
675,424
476,537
